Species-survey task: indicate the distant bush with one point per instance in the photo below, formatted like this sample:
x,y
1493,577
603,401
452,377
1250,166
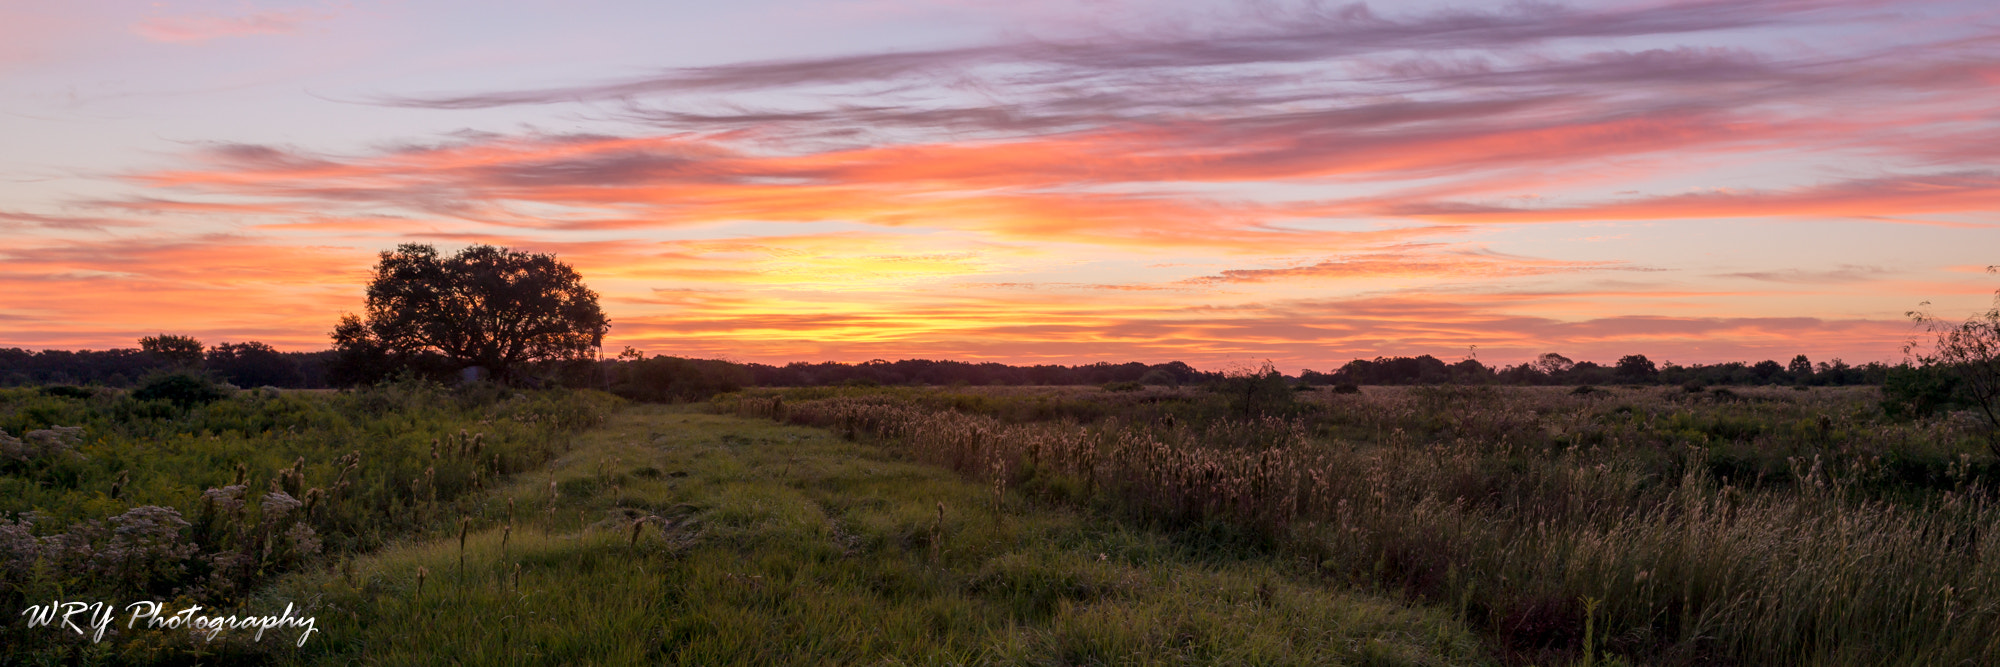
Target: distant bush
x,y
1347,388
180,388
67,391
1919,391
1123,386
665,379
39,445
1251,394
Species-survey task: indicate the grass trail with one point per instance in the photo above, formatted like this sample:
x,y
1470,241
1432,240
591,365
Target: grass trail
x,y
760,543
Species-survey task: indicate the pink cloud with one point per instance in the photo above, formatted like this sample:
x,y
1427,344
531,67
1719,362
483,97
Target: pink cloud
x,y
198,28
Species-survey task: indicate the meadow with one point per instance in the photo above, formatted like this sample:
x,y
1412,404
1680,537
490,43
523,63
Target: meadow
x,y
114,495
1241,523
1659,525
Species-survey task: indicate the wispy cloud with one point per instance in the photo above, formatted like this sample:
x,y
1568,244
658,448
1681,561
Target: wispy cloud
x,y
198,28
1299,182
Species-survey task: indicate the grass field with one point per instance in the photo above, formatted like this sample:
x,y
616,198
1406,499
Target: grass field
x,y
1657,524
1018,525
759,543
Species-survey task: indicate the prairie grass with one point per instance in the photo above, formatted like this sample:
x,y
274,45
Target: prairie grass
x,y
768,544
1748,526
140,500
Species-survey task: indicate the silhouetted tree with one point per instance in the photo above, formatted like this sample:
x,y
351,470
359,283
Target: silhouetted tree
x,y
1636,368
1970,352
253,364
485,306
182,351
1801,369
1255,393
1553,365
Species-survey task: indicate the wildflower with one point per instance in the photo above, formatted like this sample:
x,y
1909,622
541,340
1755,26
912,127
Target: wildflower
x,y
277,504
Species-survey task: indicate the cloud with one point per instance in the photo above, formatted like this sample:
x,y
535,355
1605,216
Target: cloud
x,y
17,219
107,292
199,28
1885,198
1843,274
1303,35
1306,184
1300,334
1413,260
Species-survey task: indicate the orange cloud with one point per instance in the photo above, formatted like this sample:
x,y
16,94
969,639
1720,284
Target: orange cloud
x,y
1305,186
107,293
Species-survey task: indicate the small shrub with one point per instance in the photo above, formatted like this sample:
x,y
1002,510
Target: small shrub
x,y
67,391
1584,390
1919,391
186,390
1123,386
40,444
1346,388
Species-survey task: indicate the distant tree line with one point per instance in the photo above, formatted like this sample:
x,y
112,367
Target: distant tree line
x,y
255,364
247,364
929,372
1556,369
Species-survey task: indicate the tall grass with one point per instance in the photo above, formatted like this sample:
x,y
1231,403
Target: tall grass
x,y
778,545
147,499
1746,526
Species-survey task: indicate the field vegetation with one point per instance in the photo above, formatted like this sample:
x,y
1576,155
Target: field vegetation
x,y
675,537
1660,525
1248,520
183,490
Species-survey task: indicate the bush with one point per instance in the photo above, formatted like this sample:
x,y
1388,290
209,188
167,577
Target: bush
x,y
1123,386
667,379
1919,391
184,389
67,391
1265,392
1347,388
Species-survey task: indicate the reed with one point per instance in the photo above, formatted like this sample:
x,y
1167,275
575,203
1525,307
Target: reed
x,y
1764,526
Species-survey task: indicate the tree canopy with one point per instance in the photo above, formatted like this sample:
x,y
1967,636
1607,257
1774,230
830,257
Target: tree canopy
x,y
177,350
485,306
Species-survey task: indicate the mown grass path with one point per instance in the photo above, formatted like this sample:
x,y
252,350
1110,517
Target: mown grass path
x,y
759,543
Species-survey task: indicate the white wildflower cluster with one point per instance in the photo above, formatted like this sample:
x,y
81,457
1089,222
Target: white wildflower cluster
x,y
143,543
278,504
304,541
143,546
18,548
40,444
225,500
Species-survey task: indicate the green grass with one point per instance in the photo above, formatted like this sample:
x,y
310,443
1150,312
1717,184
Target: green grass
x,y
787,545
1762,526
145,500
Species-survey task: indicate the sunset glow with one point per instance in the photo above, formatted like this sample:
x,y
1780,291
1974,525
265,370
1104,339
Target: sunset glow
x,y
1219,183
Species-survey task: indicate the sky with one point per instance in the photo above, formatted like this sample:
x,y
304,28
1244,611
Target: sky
x,y
1036,181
